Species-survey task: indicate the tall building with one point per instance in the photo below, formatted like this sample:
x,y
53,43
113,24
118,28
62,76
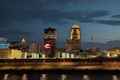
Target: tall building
x,y
34,47
75,33
73,43
49,46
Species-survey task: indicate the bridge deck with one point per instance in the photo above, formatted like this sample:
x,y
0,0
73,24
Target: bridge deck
x,y
64,64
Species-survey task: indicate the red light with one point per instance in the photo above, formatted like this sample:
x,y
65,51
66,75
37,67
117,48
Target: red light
x,y
47,46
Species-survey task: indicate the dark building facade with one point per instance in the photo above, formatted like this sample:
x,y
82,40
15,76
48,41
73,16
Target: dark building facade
x,y
49,46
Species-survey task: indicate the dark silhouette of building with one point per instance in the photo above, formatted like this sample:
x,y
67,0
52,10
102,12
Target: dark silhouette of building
x,y
14,45
24,44
49,46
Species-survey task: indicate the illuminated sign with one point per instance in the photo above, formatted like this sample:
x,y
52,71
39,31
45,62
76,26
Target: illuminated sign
x,y
47,46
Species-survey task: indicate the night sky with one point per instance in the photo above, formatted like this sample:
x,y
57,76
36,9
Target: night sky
x,y
100,18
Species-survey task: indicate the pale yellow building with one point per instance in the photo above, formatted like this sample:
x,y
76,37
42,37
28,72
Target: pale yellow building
x,y
15,54
113,52
10,54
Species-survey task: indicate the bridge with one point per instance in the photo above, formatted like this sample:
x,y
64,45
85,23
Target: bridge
x,y
63,64
87,69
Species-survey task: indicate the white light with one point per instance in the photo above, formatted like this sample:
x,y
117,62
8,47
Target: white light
x,y
63,77
114,77
72,55
23,40
86,77
5,77
63,55
67,55
43,56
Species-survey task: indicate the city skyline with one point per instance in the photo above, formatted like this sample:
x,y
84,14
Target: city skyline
x,y
95,17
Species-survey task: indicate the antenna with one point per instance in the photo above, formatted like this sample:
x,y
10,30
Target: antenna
x,y
93,39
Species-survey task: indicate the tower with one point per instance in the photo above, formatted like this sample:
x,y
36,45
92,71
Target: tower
x,y
50,36
75,33
73,43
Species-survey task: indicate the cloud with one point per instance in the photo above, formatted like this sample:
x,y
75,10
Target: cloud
x,y
109,22
86,16
116,16
21,10
34,15
79,16
48,16
14,33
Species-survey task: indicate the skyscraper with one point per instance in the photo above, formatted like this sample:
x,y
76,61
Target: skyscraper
x,y
73,43
75,33
50,36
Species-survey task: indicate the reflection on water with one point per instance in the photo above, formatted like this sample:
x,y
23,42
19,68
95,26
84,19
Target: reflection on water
x,y
60,76
63,77
114,77
86,77
24,77
43,77
5,77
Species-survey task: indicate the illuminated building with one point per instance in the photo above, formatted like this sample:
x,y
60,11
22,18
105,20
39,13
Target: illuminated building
x,y
29,55
15,54
4,53
50,36
75,33
73,43
3,43
64,55
114,52
4,48
10,54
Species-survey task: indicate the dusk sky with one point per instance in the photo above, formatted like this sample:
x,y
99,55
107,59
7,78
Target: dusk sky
x,y
100,18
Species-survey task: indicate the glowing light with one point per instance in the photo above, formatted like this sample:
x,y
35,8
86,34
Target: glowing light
x,y
47,46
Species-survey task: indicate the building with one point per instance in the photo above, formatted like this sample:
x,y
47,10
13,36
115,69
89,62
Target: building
x,y
113,52
23,44
14,45
3,43
4,48
15,54
49,46
73,43
34,48
5,53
